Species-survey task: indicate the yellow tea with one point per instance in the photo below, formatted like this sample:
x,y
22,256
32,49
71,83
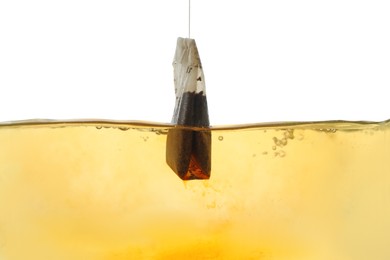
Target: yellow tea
x,y
103,190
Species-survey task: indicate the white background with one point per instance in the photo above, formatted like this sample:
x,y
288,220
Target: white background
x,y
264,61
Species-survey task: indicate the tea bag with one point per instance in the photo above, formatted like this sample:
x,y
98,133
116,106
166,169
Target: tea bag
x,y
188,150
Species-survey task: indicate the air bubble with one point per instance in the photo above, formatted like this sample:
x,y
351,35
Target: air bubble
x,y
220,138
280,142
160,132
289,134
280,153
330,130
99,127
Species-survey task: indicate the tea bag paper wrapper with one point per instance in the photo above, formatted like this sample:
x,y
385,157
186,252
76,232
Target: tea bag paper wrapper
x,y
189,150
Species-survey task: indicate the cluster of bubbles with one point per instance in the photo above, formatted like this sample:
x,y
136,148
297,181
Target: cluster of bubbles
x,y
328,130
279,143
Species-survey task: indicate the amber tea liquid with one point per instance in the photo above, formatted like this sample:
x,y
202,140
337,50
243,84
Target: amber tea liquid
x,y
103,190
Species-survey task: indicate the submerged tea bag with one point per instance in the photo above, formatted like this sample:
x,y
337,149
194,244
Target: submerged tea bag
x,y
188,150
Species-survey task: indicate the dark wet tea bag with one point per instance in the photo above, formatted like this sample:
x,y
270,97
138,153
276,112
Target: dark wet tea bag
x,y
188,150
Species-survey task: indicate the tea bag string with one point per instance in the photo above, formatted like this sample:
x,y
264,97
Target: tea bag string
x,y
189,18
